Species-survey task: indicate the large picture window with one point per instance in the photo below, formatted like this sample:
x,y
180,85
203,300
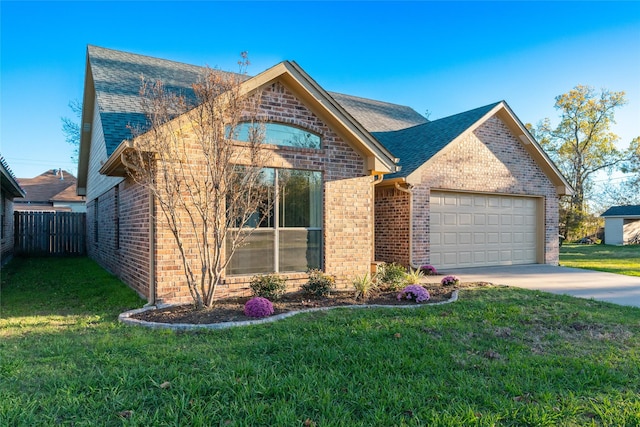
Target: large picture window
x,y
278,134
291,240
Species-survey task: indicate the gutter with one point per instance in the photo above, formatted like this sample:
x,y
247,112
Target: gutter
x,y
410,193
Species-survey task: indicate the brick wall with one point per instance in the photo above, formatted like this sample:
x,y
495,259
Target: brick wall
x,y
347,204
7,241
124,253
392,225
490,159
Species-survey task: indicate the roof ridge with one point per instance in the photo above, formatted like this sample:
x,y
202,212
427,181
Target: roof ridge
x,y
367,99
155,58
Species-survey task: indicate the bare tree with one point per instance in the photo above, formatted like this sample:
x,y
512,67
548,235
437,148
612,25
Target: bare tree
x,y
209,187
71,128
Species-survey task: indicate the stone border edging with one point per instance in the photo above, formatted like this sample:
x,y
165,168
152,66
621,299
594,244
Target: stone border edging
x,y
126,316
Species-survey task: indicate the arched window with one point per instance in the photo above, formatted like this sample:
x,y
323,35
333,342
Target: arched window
x,y
279,134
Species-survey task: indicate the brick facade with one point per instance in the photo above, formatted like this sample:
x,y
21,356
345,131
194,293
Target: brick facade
x,y
347,204
489,160
7,224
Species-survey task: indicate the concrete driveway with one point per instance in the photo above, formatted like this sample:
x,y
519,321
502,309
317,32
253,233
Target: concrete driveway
x,y
615,288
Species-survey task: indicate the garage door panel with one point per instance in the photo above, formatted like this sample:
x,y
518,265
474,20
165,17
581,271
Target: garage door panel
x,y
475,230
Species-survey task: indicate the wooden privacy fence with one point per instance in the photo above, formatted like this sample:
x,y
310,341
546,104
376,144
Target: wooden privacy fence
x,y
50,233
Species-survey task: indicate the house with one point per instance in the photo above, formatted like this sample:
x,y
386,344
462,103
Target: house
x,y
622,225
475,189
52,190
387,183
9,190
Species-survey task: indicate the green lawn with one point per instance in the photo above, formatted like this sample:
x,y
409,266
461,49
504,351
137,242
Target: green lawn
x,y
613,259
498,356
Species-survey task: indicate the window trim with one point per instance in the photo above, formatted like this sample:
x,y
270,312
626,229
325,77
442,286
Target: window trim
x,y
275,229
320,145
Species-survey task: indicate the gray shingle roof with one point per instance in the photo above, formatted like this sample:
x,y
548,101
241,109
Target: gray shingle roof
x,y
117,79
417,144
378,116
624,211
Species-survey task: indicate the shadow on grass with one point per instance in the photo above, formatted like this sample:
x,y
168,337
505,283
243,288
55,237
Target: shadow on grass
x,y
62,286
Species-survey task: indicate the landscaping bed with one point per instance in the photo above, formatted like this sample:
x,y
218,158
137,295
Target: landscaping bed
x,y
232,309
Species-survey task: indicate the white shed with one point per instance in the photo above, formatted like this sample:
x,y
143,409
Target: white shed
x,y
622,225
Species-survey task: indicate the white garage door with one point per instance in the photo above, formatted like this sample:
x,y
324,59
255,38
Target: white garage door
x,y
473,230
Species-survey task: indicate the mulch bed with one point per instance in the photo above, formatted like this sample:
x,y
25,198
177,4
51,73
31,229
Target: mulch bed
x,y
232,309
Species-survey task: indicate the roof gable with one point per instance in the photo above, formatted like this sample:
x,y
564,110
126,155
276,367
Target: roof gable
x,y
416,145
628,211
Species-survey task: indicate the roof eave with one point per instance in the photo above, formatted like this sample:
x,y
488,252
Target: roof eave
x,y
86,128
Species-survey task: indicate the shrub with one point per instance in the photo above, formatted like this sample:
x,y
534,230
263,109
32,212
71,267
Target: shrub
x,y
414,292
319,284
270,286
450,281
365,286
258,307
393,276
428,270
413,276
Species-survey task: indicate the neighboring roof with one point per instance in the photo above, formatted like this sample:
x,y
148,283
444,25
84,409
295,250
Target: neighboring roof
x,y
628,211
417,144
378,116
50,185
8,181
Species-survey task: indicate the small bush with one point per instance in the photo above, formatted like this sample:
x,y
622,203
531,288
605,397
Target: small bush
x,y
392,276
270,286
413,276
414,292
365,286
450,281
258,307
319,284
428,270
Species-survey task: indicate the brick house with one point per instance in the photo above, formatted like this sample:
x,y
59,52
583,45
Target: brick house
x,y
9,190
475,189
361,205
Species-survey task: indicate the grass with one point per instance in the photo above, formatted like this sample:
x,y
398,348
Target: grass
x,y
498,356
613,259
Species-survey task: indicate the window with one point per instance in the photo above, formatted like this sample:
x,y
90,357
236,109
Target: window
x,y
278,134
289,238
116,202
95,221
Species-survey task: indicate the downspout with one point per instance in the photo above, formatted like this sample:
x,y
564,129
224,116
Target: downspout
x,y
410,193
152,242
375,182
152,252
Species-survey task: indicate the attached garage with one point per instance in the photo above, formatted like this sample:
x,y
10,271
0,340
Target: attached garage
x,y
474,230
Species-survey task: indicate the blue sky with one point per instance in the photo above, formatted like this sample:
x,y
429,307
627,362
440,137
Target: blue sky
x,y
440,57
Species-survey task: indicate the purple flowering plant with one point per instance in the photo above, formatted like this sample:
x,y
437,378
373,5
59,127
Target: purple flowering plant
x,y
428,270
258,307
414,292
450,281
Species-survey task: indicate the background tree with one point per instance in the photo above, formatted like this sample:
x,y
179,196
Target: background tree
x,y
71,128
581,145
211,190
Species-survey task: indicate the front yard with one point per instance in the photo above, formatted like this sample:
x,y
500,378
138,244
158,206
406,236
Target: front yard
x,y
498,356
613,259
